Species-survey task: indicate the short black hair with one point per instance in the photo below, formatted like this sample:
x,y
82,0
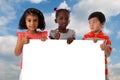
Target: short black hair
x,y
33,11
99,15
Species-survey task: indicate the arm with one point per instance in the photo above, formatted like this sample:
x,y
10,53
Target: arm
x,y
70,40
44,36
54,34
19,45
107,51
107,48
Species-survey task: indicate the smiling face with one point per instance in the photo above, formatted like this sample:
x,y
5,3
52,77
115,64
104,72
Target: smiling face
x,y
31,22
62,19
95,25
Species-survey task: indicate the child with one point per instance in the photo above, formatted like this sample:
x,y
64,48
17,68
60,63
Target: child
x,y
31,20
96,23
62,18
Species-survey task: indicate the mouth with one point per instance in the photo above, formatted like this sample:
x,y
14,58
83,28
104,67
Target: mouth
x,y
64,24
32,27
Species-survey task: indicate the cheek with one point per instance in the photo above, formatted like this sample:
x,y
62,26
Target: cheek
x,y
36,24
27,24
99,27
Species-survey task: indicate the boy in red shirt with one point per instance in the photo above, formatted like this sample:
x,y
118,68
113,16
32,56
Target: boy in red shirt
x,y
96,23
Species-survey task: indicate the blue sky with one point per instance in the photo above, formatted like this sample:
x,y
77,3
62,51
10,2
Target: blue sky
x,y
11,11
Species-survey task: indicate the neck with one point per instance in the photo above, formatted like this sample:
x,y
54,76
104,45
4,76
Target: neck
x,y
62,30
32,32
97,32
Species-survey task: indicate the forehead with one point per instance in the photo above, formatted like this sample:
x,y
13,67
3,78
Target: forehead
x,y
31,16
62,13
94,19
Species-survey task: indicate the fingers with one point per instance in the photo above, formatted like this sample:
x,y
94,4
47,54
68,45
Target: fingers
x,y
103,45
69,40
94,40
57,35
43,39
25,39
105,42
57,31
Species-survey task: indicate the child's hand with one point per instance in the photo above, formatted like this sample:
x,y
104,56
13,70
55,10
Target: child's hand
x,y
95,40
57,35
25,40
43,39
70,40
105,48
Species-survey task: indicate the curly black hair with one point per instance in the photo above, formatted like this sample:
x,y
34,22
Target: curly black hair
x,y
33,11
61,10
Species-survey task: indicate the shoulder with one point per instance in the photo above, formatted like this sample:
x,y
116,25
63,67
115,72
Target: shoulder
x,y
53,31
71,31
20,33
86,35
105,36
43,33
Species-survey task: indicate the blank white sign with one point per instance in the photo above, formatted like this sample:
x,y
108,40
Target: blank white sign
x,y
57,60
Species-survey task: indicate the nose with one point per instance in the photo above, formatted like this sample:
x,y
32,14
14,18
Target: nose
x,y
64,21
91,24
32,22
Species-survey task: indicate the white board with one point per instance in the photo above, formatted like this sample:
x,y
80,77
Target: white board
x,y
57,60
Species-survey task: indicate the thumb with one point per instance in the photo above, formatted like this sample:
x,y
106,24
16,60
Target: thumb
x,y
57,31
105,42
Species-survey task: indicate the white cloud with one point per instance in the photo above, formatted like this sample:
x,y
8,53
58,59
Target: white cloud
x,y
114,71
79,27
107,31
9,64
63,5
8,71
7,44
85,7
50,21
118,35
114,49
36,1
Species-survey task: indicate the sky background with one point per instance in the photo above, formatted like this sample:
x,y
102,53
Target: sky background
x,y
12,10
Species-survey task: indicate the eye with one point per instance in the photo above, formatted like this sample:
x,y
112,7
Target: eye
x,y
35,20
60,18
29,20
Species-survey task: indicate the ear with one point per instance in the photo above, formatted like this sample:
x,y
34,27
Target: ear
x,y
103,24
55,21
69,21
